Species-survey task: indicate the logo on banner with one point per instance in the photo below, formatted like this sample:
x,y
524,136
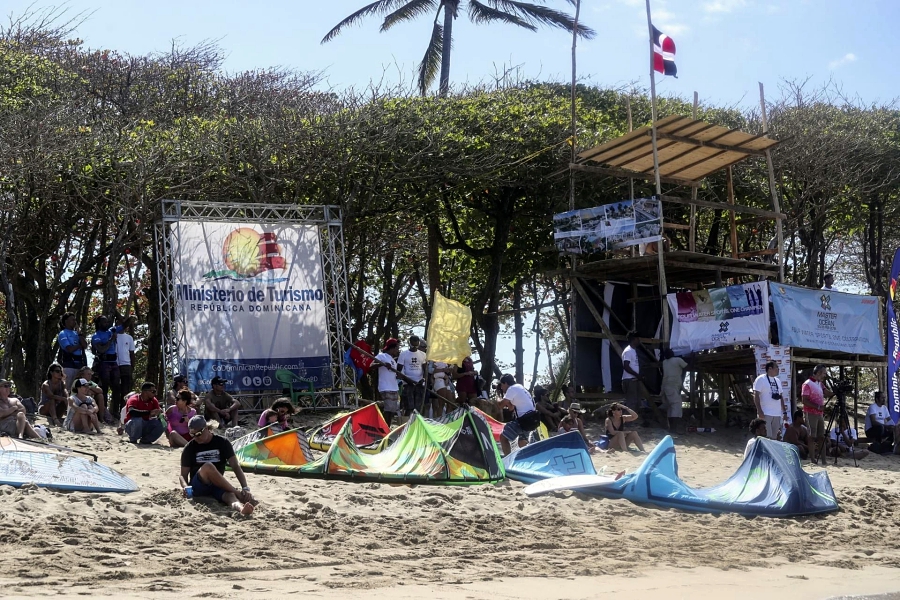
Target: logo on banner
x,y
723,327
247,254
826,302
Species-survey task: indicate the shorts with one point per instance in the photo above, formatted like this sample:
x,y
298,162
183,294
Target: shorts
x,y
8,426
413,397
671,398
204,489
816,424
439,383
512,431
391,401
773,427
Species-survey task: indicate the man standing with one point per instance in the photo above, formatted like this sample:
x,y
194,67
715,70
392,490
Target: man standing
x,y
125,361
879,426
412,364
770,405
672,381
516,398
142,410
828,281
103,345
220,405
388,390
631,373
13,421
71,348
813,395
203,463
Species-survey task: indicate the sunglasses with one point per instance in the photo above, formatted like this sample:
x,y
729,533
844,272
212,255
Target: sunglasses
x,y
196,433
56,370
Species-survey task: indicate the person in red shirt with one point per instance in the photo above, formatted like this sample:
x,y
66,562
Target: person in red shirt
x,y
142,411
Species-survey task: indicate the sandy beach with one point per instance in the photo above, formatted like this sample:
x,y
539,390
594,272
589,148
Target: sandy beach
x,y
328,539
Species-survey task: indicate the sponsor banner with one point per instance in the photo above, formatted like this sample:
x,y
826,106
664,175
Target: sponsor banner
x,y
826,320
893,338
782,356
251,298
737,314
608,227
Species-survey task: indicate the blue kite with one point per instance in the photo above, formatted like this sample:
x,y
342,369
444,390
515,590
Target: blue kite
x,y
559,456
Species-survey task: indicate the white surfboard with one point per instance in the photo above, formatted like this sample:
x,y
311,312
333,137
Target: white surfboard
x,y
567,482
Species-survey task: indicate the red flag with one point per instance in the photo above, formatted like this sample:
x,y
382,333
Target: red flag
x,y
360,359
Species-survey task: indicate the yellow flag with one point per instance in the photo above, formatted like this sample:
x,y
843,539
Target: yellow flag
x,y
448,332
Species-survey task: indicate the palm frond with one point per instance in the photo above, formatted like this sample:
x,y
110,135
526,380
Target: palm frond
x,y
535,13
377,7
408,12
480,13
431,62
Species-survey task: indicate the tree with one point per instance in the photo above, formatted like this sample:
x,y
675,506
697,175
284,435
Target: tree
x,y
437,55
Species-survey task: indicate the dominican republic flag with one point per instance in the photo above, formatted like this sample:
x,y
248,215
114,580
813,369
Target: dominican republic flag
x,y
664,53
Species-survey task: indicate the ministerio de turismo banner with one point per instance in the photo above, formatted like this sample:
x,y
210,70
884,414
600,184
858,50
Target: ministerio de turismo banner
x,y
737,314
253,302
893,338
826,320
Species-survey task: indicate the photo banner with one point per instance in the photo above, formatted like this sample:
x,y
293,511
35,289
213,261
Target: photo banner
x,y
608,227
826,320
737,314
893,338
253,303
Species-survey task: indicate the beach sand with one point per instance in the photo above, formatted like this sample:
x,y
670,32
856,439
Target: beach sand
x,y
328,539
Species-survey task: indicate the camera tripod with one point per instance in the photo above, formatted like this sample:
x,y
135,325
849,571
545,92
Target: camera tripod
x,y
839,414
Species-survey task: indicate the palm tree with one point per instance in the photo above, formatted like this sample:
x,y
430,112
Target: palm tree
x,y
522,14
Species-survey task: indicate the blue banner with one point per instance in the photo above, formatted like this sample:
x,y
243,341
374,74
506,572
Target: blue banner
x,y
245,374
893,338
826,320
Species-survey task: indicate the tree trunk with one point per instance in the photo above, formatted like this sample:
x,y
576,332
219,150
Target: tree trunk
x,y
450,11
519,331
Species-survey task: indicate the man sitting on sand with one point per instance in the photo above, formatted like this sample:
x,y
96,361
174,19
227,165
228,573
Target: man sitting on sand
x,y
12,414
203,463
757,430
142,410
220,405
797,434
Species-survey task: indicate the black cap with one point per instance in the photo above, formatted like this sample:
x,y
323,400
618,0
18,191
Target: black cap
x,y
218,380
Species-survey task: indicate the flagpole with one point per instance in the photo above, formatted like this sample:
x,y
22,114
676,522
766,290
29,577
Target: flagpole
x,y
660,246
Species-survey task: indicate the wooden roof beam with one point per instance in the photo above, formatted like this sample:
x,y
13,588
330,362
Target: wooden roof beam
x,y
724,206
617,172
716,145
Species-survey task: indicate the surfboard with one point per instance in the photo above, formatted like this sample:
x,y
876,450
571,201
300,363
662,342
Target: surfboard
x,y
568,482
25,463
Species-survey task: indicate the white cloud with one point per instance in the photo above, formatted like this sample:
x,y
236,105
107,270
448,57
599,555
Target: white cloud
x,y
723,6
844,60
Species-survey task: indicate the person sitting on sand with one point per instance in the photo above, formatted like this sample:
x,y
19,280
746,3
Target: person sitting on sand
x,y
842,441
220,405
551,414
278,416
797,434
179,383
142,410
619,438
178,416
574,422
757,430
95,392
54,395
203,463
13,421
81,416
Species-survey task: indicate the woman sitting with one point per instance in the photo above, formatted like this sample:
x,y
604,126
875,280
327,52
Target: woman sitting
x,y
278,417
178,416
95,392
82,414
54,395
619,439
573,422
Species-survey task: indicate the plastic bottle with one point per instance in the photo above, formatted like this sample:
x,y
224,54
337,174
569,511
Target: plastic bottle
x,y
701,429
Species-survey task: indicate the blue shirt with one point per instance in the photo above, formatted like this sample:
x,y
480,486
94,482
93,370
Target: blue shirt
x,y
102,337
68,337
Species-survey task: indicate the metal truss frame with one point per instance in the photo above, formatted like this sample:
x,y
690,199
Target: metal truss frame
x,y
329,221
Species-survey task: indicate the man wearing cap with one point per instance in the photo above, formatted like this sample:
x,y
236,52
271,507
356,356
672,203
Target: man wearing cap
x,y
388,390
220,405
574,422
203,463
517,399
72,345
12,414
412,364
142,410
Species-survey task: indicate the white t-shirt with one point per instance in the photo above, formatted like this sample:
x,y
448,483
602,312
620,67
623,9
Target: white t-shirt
x,y
833,288
413,364
520,398
630,356
881,413
765,385
387,379
124,348
847,433
749,445
673,372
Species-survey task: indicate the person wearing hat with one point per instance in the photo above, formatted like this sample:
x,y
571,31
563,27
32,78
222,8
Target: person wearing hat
x,y
388,389
203,463
574,422
220,405
82,414
142,411
179,383
517,399
13,421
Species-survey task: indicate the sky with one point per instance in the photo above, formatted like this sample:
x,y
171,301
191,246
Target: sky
x,y
724,47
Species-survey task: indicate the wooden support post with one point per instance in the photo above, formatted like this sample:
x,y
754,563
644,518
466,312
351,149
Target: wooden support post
x,y
701,400
776,205
576,285
730,180
692,397
724,395
692,240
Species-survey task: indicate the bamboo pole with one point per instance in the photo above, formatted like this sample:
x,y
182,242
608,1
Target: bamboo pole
x,y
776,205
692,241
730,180
573,340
